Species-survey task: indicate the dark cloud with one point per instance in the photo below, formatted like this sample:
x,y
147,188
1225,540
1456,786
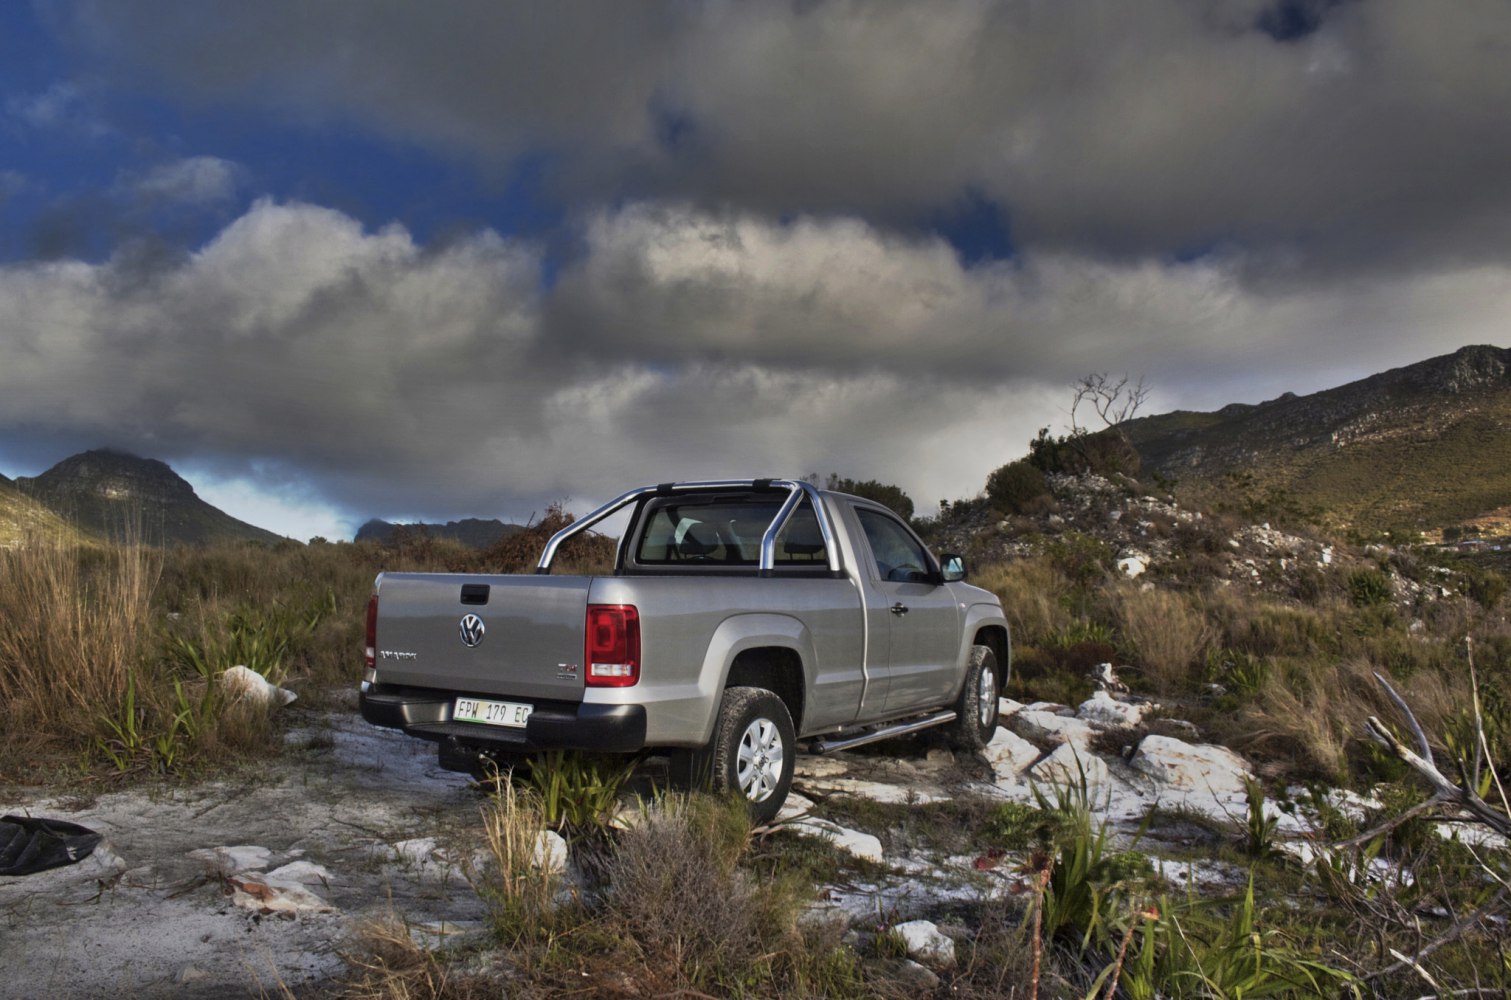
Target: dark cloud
x,y
1346,133
740,270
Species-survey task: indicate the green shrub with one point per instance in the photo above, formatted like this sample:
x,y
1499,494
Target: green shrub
x,y
1485,586
1012,488
1369,588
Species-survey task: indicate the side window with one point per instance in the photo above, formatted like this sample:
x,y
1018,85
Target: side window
x,y
898,555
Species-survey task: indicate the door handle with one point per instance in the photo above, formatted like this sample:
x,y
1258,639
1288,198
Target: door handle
x,y
899,609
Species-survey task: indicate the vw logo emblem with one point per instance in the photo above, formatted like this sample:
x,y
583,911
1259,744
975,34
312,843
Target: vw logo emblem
x,y
472,629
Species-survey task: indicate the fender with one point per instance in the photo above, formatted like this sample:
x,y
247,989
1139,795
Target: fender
x,y
735,635
977,617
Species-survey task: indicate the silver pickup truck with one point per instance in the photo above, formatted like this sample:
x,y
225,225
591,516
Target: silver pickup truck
x,y
744,620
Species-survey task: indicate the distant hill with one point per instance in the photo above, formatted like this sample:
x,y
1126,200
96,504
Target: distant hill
x,y
113,495
1421,447
472,532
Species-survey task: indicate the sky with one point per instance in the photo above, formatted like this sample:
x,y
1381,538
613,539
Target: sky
x,y
378,258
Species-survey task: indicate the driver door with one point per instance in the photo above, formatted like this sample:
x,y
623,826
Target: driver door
x,y
923,619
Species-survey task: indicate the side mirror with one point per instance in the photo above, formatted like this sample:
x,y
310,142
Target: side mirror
x,y
952,567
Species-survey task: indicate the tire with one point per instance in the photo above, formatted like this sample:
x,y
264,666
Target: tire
x,y
977,705
754,750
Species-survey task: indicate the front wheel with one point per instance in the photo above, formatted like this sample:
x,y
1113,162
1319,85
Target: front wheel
x,y
754,750
976,707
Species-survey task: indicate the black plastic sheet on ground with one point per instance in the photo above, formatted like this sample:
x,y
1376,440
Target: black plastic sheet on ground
x,y
29,844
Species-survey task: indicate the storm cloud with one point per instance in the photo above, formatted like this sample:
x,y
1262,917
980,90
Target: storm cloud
x,y
750,263
1347,131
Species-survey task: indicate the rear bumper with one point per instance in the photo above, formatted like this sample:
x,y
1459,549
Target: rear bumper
x,y
552,725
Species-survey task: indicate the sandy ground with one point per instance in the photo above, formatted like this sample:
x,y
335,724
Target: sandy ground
x,y
233,888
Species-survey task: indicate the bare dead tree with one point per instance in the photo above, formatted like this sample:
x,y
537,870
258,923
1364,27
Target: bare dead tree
x,y
1106,450
1113,400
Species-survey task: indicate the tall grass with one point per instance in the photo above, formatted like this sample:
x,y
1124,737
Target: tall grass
x,y
75,627
1166,632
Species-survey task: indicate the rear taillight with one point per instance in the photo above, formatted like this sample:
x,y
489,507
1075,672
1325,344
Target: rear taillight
x,y
613,645
370,659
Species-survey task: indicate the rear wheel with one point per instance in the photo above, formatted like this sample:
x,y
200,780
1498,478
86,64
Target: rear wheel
x,y
754,750
976,707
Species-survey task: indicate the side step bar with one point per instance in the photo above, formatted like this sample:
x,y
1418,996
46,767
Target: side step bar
x,y
883,733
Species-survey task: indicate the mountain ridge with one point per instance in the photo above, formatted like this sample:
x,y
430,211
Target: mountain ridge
x,y
1420,447
471,531
113,494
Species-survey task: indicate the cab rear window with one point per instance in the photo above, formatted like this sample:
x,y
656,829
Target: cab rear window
x,y
702,532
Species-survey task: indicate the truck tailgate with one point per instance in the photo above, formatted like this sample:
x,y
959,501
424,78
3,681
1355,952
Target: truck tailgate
x,y
512,636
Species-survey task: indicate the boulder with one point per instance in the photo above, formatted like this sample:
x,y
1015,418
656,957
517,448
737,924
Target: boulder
x,y
926,944
1069,764
1102,709
1010,754
1184,767
1049,727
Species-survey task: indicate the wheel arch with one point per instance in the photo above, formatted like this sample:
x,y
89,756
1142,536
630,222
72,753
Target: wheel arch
x,y
771,651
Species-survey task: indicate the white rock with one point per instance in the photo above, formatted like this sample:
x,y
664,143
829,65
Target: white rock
x,y
1186,767
1133,564
1051,728
1069,764
811,766
231,860
1010,754
419,851
245,683
300,872
1006,707
1102,709
926,944
550,852
795,806
263,894
876,791
1105,676
862,845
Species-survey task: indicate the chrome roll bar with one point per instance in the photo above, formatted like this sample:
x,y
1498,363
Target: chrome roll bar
x,y
797,490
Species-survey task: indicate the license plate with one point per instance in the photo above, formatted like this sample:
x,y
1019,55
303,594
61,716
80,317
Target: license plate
x,y
492,713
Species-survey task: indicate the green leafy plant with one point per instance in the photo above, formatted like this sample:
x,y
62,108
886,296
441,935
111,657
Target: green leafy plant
x,y
126,740
577,792
1088,880
1260,826
260,639
1240,671
1182,952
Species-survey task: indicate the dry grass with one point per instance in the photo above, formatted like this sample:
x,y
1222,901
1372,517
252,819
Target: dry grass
x,y
387,964
1167,632
520,891
1033,593
75,626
